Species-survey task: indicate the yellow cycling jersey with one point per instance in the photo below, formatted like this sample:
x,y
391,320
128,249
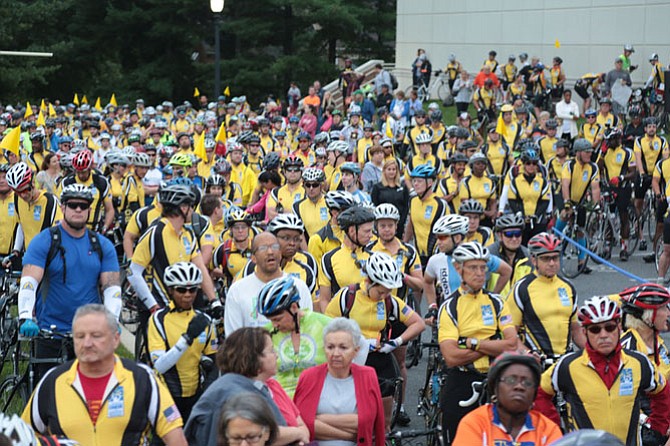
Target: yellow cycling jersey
x,y
9,221
555,74
342,267
423,215
101,194
632,340
481,189
133,195
483,235
166,327
233,193
246,178
512,133
591,132
326,239
658,74
617,161
308,158
547,147
482,316
282,198
334,178
555,168
362,147
142,219
544,308
292,137
517,89
205,168
34,160
662,172
449,186
509,72
181,125
418,160
498,154
267,144
231,258
484,98
370,314
607,121
254,162
452,69
445,150
581,176
228,235
529,192
302,266
650,150
116,189
411,135
439,133
492,64
314,215
35,217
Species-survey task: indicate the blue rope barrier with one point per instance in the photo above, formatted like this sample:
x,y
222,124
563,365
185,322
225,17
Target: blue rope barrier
x,y
598,258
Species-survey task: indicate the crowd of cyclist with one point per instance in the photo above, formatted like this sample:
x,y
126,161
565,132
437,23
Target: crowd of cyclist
x,y
224,218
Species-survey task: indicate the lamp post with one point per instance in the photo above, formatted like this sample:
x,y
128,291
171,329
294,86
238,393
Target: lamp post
x,y
217,6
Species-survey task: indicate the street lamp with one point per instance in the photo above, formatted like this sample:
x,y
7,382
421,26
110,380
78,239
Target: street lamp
x,y
217,6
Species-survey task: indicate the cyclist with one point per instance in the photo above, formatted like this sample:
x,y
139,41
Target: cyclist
x,y
337,155
312,209
659,183
330,236
70,278
591,130
473,210
102,215
484,102
547,143
656,83
240,173
579,176
635,128
605,116
101,398
478,186
232,254
232,191
509,249
453,69
350,182
425,209
474,326
618,165
497,151
543,304
8,218
374,295
297,334
555,171
36,209
179,336
304,150
363,145
648,152
625,57
133,186
592,80
557,78
606,394
508,72
423,157
448,187
282,198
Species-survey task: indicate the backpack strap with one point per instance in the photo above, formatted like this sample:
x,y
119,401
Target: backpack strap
x,y
56,247
349,296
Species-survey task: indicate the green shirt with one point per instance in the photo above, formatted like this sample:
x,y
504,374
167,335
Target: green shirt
x,y
289,364
626,62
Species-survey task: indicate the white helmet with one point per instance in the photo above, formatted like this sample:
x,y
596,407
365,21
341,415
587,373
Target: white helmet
x,y
19,175
313,175
423,138
598,309
387,211
338,146
286,221
141,160
17,431
209,143
182,274
470,251
383,270
451,224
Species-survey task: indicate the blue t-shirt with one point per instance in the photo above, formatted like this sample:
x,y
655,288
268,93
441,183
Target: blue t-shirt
x,y
56,302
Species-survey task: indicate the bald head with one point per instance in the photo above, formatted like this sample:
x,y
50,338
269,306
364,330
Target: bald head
x,y
266,254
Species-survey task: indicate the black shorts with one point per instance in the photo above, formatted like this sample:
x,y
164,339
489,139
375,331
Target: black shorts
x,y
539,100
661,209
387,371
623,196
642,185
666,231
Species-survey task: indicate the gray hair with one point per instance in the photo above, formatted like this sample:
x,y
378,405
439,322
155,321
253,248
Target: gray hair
x,y
645,321
87,309
251,407
346,325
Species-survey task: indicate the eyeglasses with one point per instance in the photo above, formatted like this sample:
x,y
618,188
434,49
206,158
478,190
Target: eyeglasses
x,y
590,117
184,290
311,185
77,205
547,259
249,439
596,329
263,248
293,169
513,380
513,234
531,163
288,238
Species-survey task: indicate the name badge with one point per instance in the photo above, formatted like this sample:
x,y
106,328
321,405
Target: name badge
x,y
115,406
429,212
487,315
563,297
381,311
324,214
37,213
626,382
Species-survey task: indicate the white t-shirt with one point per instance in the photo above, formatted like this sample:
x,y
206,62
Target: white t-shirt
x,y
241,303
439,266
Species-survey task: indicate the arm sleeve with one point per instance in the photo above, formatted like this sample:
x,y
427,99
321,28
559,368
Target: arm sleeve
x,y
140,286
164,361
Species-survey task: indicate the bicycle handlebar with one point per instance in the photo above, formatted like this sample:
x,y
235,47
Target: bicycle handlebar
x,y
477,387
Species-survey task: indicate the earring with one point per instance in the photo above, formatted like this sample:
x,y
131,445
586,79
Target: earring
x,y
494,399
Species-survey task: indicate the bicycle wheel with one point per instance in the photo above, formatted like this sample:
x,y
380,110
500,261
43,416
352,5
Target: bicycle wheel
x,y
570,266
658,250
434,438
650,207
423,94
414,350
397,401
13,394
595,236
444,93
141,344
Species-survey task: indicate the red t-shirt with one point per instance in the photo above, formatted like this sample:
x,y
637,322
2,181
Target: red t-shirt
x,y
94,390
284,402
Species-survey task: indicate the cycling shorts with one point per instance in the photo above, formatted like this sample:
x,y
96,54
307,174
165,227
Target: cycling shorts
x,y
387,371
666,231
661,209
642,185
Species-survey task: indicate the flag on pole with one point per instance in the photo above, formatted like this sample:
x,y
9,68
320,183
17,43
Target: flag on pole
x,y
11,141
227,90
97,105
221,138
199,149
196,92
43,106
112,100
75,101
557,44
40,120
29,111
52,111
84,100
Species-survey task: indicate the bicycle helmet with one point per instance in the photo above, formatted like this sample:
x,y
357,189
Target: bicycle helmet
x,y
648,296
286,221
598,309
507,359
509,221
387,211
253,139
223,167
78,145
313,175
477,157
529,155
142,160
562,143
606,100
17,430
293,161
451,224
56,440
65,160
634,111
209,143
174,194
423,138
19,176
76,191
470,206
423,171
582,145
293,119
82,160
436,115
215,180
271,161
590,112
462,132
277,296
237,215
613,134
320,151
458,157
339,146
382,270
511,57
181,160
588,437
551,124
653,57
350,167
339,200
355,216
116,157
182,274
321,138
651,120
544,243
470,251
629,47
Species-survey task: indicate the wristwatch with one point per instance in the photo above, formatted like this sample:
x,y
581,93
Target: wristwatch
x,y
474,344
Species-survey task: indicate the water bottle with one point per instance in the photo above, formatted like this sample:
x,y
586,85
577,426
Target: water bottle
x,y
435,388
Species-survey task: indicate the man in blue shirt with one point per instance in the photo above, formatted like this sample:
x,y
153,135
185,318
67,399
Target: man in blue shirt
x,y
83,266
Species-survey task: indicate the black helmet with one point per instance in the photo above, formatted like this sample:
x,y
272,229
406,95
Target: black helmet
x,y
176,195
436,115
458,157
355,216
271,161
588,437
507,359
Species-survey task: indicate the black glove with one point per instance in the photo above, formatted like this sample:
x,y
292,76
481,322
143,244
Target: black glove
x,y
216,309
432,313
651,437
195,327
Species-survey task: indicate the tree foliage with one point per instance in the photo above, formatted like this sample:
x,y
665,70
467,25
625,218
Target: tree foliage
x,y
144,48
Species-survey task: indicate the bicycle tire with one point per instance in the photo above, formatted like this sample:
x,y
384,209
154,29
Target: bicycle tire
x,y
570,255
423,94
435,424
397,401
444,93
142,344
658,250
633,239
595,236
13,394
414,351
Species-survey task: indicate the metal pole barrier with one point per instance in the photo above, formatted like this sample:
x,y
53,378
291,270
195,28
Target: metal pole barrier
x,y
25,54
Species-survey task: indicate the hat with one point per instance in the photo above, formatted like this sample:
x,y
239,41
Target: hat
x,y
464,115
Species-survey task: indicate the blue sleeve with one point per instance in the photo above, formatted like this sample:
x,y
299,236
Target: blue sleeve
x,y
37,251
110,262
493,264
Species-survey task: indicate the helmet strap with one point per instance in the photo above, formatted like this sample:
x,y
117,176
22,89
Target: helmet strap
x,y
296,323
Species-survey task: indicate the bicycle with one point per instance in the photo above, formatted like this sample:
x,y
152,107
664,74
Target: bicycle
x,y
603,229
9,325
439,86
414,349
428,405
397,438
570,266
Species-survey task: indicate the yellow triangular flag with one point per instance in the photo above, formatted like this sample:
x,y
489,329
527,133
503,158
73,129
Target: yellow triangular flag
x,y
52,111
557,44
11,141
29,111
40,120
84,100
221,134
199,149
227,91
196,92
43,106
75,101
97,105
112,100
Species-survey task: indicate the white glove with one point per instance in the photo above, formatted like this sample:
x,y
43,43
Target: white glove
x,y
372,344
391,345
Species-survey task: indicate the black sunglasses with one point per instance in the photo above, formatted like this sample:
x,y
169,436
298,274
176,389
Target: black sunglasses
x,y
311,185
596,329
77,205
184,290
512,234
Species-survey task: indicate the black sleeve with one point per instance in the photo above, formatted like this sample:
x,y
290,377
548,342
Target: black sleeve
x,y
404,209
374,194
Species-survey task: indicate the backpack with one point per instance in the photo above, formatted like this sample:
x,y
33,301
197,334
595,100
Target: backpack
x,y
394,81
349,299
56,247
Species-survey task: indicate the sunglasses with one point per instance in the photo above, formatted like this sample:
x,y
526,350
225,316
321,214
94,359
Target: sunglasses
x,y
184,290
531,163
596,329
293,169
442,236
514,380
77,205
512,234
311,185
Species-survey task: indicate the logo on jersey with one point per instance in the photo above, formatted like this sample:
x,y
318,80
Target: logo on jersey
x,y
487,188
536,185
619,158
626,382
563,297
37,213
115,406
429,212
289,360
501,150
10,209
324,214
585,176
187,244
487,315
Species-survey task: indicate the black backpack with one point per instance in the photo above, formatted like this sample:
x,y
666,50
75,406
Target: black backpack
x,y
57,247
394,81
